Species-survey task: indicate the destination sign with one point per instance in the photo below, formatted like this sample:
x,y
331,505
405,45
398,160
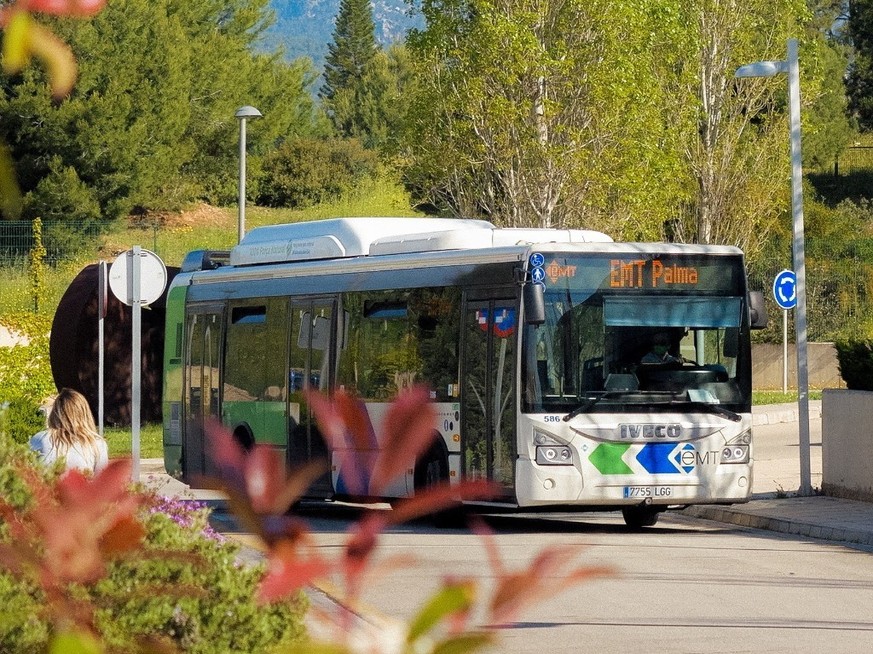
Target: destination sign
x,y
641,273
636,272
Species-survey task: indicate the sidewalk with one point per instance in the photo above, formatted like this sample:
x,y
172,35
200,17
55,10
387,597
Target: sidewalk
x,y
828,518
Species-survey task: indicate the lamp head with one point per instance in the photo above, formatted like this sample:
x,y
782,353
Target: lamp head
x,y
762,69
248,112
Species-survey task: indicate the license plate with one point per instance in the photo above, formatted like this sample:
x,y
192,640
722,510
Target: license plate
x,y
644,492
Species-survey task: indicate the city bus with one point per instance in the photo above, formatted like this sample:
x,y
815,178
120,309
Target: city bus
x,y
531,341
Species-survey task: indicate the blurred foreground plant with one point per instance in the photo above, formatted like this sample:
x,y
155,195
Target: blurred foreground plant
x,y
260,494
70,538
92,565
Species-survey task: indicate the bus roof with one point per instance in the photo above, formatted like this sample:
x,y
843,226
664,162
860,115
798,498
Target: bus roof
x,y
353,237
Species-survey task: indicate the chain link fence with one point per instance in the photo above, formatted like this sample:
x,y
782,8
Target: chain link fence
x,y
61,240
838,292
839,282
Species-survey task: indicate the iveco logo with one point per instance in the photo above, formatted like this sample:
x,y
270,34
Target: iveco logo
x,y
649,432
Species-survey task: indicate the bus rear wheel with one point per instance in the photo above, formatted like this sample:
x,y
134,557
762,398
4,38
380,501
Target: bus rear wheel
x,y
637,517
431,471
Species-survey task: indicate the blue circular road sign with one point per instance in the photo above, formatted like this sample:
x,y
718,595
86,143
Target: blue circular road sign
x,y
785,289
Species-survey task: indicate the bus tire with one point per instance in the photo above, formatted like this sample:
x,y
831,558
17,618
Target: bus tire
x,y
244,437
637,517
432,470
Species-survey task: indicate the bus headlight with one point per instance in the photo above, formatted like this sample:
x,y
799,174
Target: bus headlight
x,y
554,455
737,449
550,451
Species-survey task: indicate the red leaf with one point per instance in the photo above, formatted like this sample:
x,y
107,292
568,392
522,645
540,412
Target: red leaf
x,y
225,450
408,432
123,536
546,576
442,497
287,573
80,8
345,425
359,547
353,413
107,486
265,476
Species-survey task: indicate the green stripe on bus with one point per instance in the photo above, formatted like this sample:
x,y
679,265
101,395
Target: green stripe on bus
x,y
606,457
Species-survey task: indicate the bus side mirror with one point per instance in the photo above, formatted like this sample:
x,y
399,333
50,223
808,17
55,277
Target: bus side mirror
x,y
757,310
534,303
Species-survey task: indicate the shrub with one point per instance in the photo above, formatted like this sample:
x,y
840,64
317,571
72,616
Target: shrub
x,y
61,195
25,376
182,584
304,172
855,359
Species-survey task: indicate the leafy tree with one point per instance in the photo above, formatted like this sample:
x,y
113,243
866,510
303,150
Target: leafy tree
x,y
150,122
548,114
304,172
347,94
620,116
828,129
739,137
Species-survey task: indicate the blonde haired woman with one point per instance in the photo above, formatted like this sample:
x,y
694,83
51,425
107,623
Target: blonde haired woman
x,y
71,435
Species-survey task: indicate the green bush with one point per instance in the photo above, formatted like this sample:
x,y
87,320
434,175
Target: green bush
x,y
305,172
204,601
185,585
25,376
61,195
855,359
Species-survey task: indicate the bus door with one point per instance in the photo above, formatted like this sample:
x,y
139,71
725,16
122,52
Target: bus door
x,y
488,389
203,336
309,366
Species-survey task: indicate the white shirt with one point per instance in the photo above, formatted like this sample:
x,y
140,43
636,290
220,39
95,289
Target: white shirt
x,y
76,457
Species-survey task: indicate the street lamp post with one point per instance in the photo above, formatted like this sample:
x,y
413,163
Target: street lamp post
x,y
242,114
769,69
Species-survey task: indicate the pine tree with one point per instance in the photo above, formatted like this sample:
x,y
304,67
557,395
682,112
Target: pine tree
x,y
860,79
348,67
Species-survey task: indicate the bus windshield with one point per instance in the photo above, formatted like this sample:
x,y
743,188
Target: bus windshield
x,y
630,344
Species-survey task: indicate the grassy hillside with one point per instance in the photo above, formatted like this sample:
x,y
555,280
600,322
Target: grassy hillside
x,y
171,236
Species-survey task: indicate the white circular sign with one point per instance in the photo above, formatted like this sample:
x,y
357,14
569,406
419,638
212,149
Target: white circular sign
x,y
152,276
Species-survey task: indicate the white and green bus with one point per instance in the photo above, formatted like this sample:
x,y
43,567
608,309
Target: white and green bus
x,y
534,342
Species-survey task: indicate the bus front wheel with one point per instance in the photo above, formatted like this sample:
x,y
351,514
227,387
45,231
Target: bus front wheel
x,y
637,517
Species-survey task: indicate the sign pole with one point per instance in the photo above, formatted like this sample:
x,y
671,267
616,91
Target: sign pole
x,y
137,278
136,359
102,299
785,351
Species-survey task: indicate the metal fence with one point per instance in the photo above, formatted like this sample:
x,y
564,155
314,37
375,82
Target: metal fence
x,y
839,284
839,293
857,158
61,239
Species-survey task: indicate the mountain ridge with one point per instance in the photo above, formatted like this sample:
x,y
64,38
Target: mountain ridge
x,y
304,28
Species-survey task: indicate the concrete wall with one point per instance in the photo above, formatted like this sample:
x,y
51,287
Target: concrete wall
x,y
847,444
767,366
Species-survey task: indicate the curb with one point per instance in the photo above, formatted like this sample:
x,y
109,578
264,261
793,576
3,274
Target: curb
x,y
793,526
774,414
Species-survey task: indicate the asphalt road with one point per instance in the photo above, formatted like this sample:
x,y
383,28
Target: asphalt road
x,y
686,585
